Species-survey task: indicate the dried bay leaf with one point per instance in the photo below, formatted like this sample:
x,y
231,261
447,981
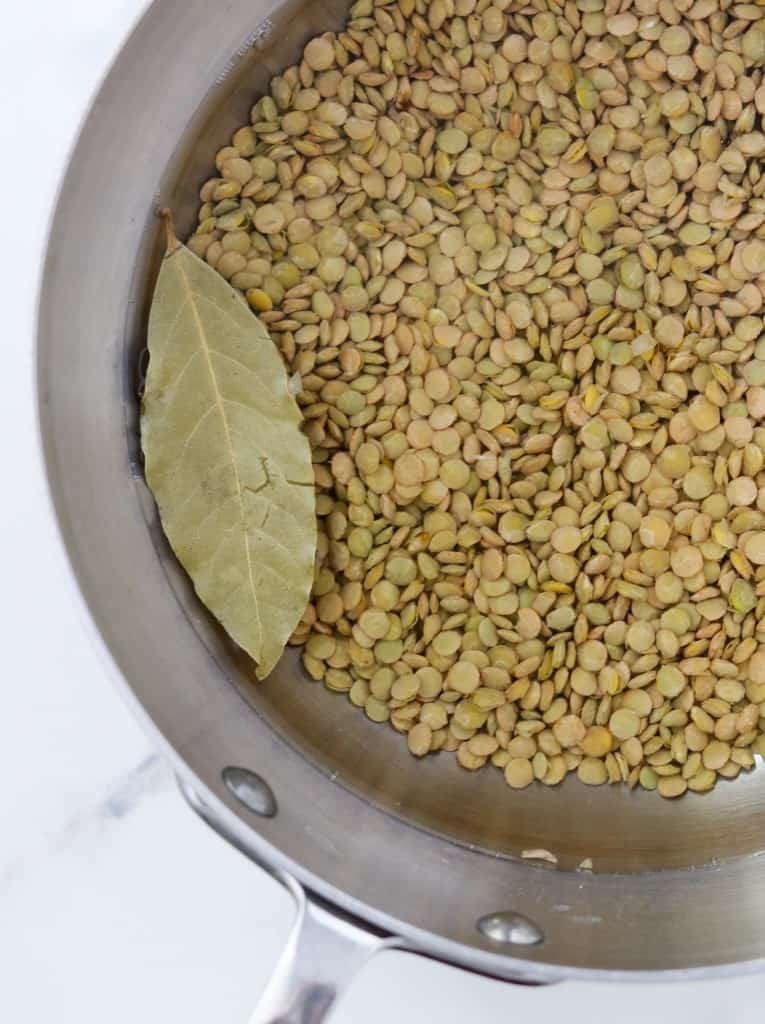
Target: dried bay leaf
x,y
226,459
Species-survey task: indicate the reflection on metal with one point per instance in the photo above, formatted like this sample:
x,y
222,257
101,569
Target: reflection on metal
x,y
510,928
251,790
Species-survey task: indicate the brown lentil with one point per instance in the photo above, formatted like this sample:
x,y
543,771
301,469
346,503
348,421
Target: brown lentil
x,y
517,265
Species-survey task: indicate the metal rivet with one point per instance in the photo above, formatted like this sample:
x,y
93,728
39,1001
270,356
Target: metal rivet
x,y
510,928
251,790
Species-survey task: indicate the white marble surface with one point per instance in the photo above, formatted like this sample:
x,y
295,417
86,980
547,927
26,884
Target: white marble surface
x,y
115,903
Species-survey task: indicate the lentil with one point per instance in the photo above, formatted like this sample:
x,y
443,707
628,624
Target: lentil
x,y
518,267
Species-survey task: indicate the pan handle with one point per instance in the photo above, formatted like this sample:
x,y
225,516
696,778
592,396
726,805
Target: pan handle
x,y
322,955
324,951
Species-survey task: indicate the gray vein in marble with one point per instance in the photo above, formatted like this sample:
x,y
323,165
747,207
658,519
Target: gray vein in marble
x,y
122,798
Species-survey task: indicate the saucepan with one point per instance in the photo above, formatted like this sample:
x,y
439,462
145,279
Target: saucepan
x,y
377,849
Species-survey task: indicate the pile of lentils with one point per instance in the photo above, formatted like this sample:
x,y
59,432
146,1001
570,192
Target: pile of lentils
x,y
514,253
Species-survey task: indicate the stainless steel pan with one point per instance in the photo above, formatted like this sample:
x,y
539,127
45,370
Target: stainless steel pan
x,y
376,848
